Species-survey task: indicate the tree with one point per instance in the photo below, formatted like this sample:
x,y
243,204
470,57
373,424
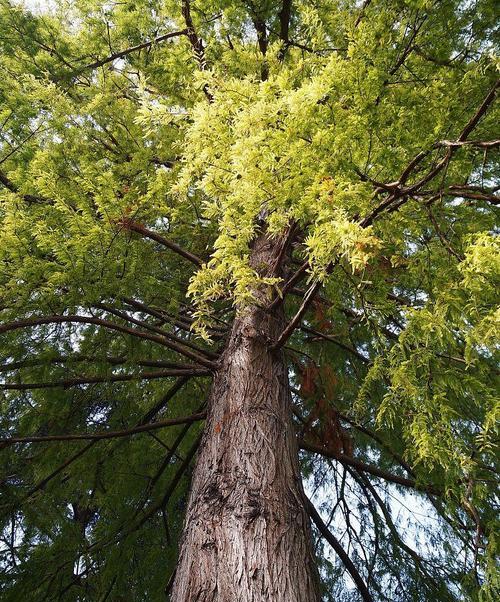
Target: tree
x,y
230,231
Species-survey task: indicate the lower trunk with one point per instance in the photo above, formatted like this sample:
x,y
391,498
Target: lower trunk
x,y
247,535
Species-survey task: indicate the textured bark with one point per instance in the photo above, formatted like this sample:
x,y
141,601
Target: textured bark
x,y
247,534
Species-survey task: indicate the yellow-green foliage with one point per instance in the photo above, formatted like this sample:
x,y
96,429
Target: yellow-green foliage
x,y
316,134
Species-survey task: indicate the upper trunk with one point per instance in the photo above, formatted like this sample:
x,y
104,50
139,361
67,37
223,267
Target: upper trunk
x,y
247,535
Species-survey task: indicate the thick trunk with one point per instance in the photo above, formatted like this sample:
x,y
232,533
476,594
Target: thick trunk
x,y
247,535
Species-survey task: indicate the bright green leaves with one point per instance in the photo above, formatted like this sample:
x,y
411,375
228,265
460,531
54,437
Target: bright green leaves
x,y
481,266
332,234
442,385
271,147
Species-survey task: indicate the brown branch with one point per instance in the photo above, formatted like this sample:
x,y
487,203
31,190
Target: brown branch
x,y
365,483
128,224
373,470
332,339
165,463
445,242
7,182
158,407
408,49
29,198
112,378
490,97
56,319
380,441
473,192
289,284
339,550
362,10
479,143
153,509
114,361
161,315
400,193
199,352
196,43
361,429
106,434
468,128
284,18
175,388
295,321
42,484
182,321
122,53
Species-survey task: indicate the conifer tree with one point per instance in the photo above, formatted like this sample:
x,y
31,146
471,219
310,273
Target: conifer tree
x,y
248,301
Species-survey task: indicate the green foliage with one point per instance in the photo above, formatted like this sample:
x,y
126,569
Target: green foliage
x,y
314,132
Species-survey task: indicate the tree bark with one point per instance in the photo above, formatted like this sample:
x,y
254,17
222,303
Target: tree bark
x,y
247,534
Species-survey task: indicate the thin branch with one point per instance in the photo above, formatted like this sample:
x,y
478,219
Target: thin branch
x,y
174,389
112,378
295,321
376,472
128,224
7,182
168,335
362,10
158,407
339,550
445,242
332,339
478,143
105,434
289,284
490,97
399,193
29,198
43,483
196,43
114,361
472,192
165,463
362,429
127,51
388,518
165,317
153,509
57,319
182,322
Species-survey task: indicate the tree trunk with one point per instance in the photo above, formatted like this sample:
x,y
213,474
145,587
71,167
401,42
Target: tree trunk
x,y
247,535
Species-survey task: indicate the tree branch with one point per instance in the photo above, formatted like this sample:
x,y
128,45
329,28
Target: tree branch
x,y
168,335
373,470
339,550
332,339
56,319
399,193
196,43
289,284
128,224
142,428
29,198
479,143
112,378
114,361
122,53
284,18
295,321
145,419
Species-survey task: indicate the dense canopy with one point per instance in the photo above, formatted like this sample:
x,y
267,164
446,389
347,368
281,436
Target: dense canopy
x,y
144,145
